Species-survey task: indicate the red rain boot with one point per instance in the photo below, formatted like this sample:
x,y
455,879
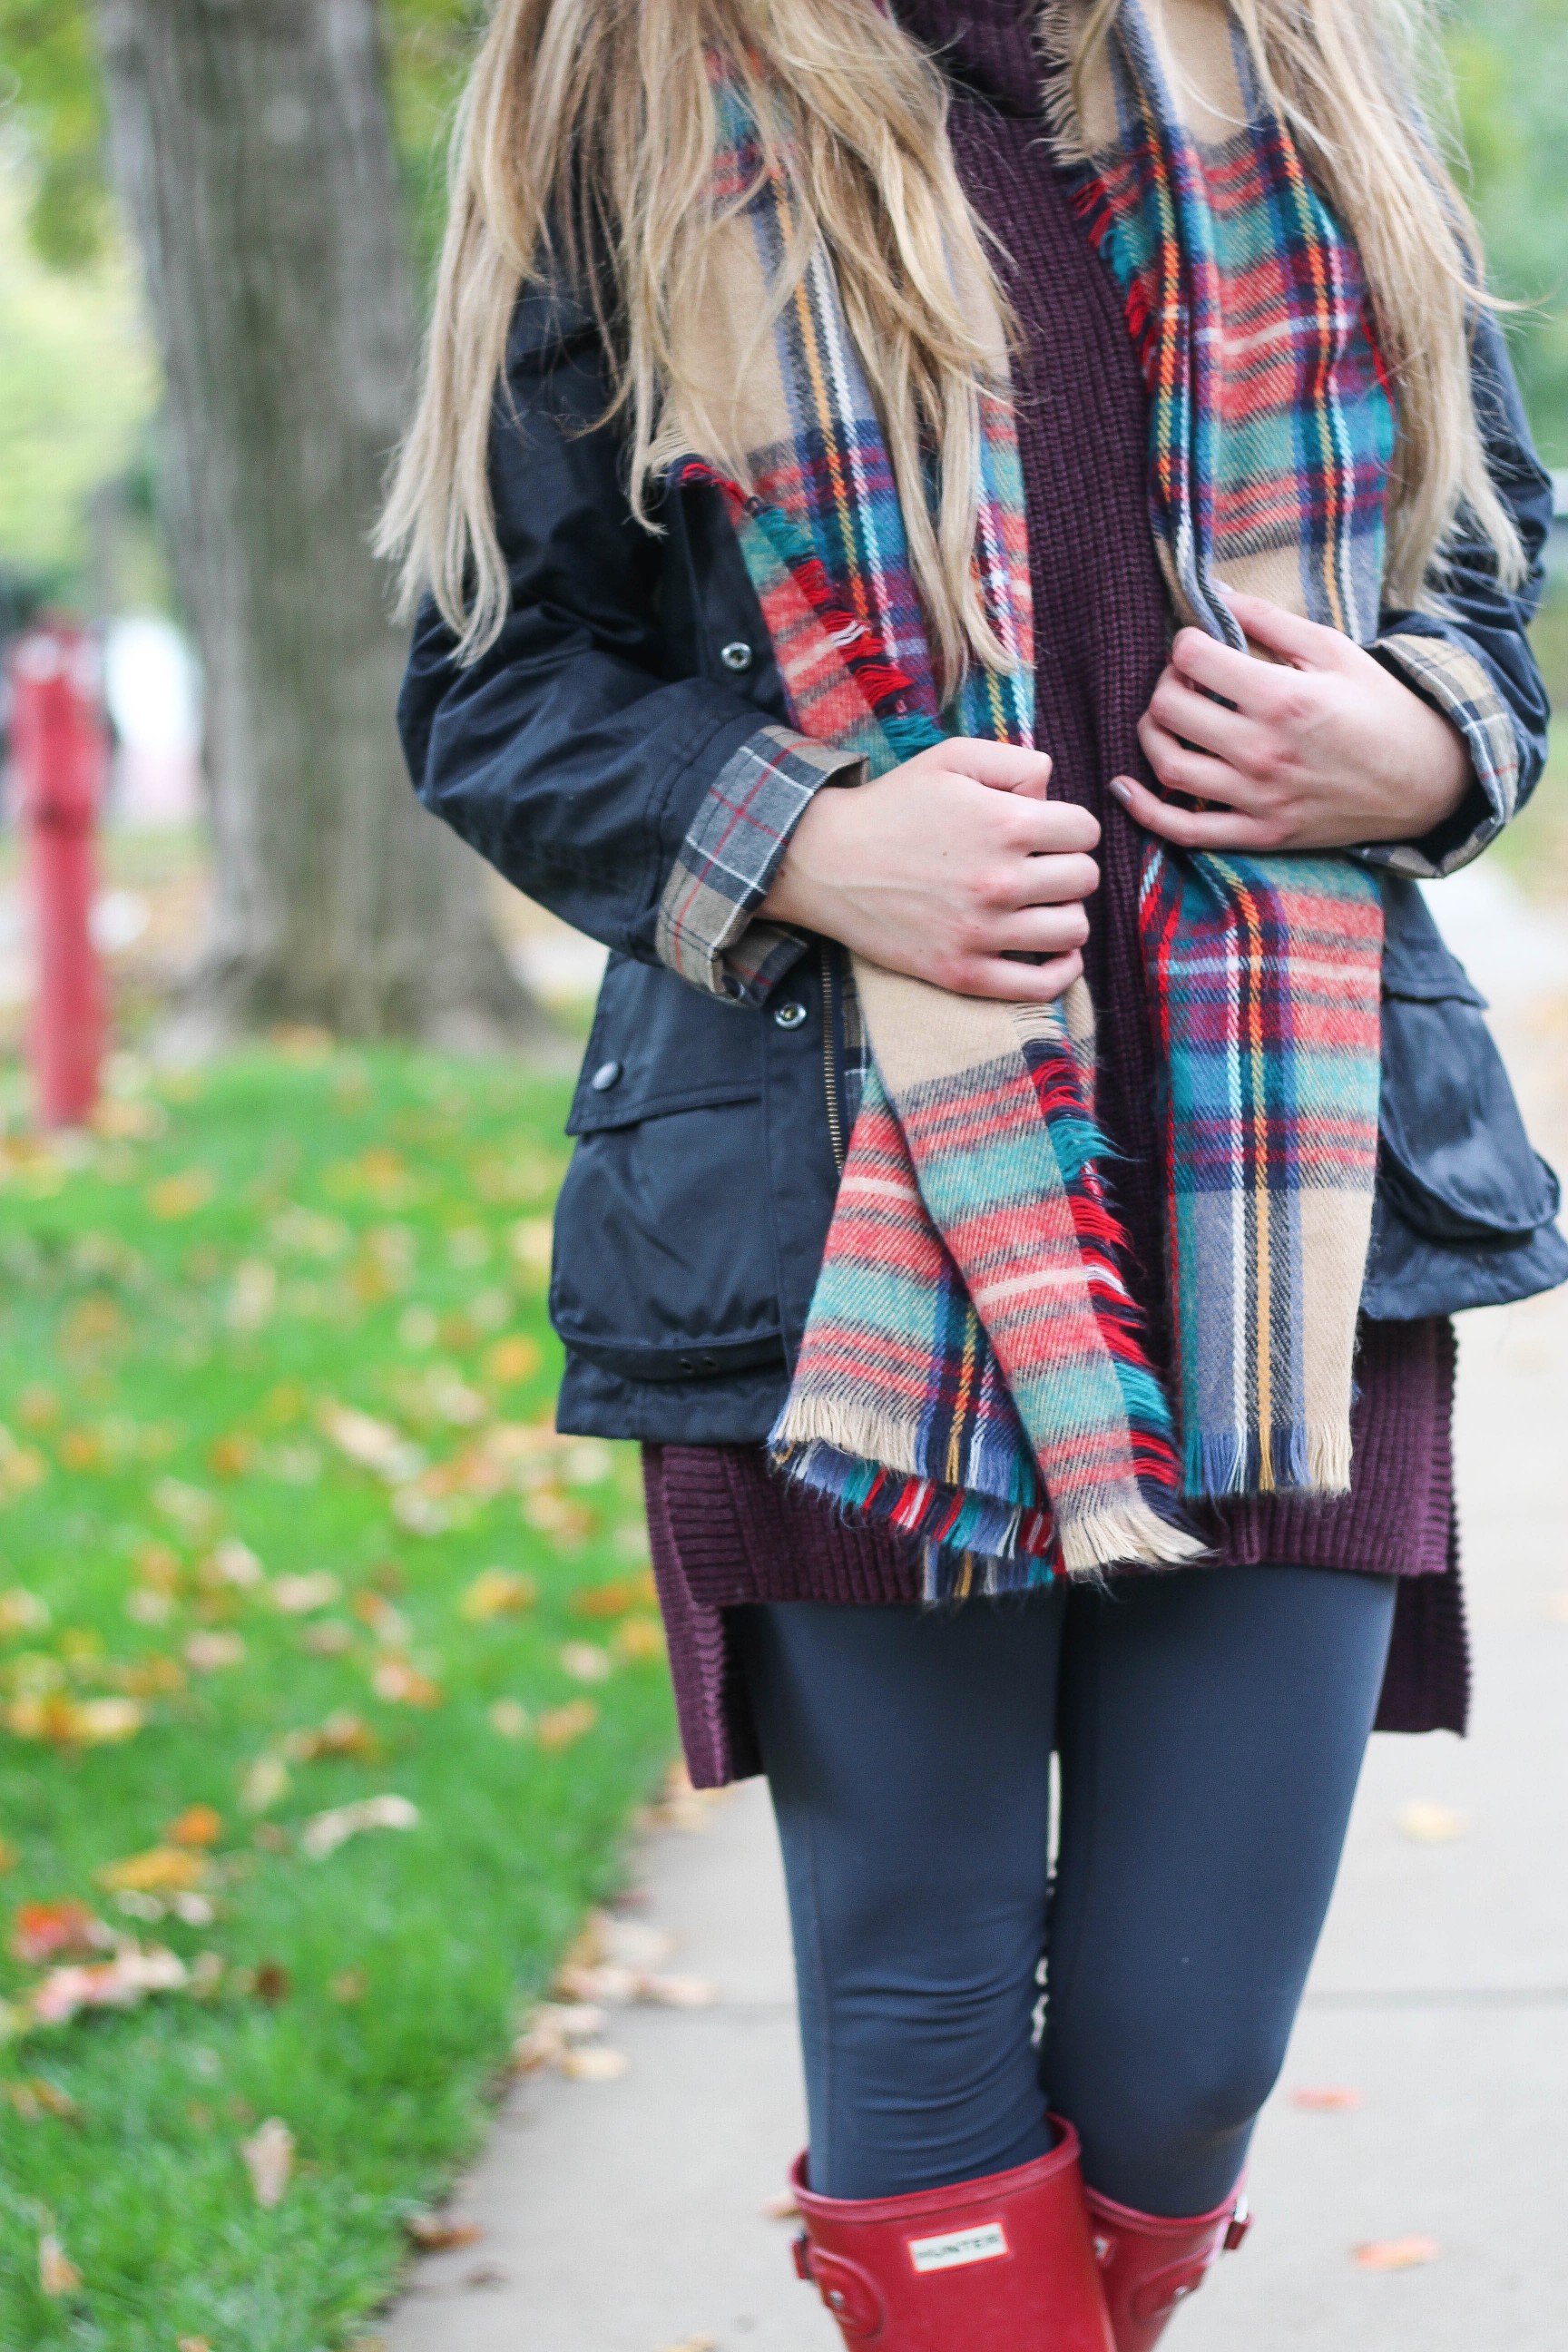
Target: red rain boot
x,y
999,2265
1147,2266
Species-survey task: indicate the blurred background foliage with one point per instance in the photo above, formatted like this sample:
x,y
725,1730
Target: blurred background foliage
x,y
78,383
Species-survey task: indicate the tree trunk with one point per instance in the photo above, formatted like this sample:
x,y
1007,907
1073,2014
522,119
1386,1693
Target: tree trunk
x,y
252,150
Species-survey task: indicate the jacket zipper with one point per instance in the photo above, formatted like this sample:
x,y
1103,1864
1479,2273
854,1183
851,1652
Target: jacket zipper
x,y
829,1062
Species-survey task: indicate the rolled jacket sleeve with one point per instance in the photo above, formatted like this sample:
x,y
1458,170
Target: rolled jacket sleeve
x,y
1445,674
1468,653
708,930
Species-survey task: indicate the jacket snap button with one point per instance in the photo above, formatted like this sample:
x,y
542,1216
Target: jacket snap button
x,y
606,1076
789,1016
736,656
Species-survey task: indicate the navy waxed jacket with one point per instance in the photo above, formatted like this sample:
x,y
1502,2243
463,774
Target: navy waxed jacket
x,y
631,674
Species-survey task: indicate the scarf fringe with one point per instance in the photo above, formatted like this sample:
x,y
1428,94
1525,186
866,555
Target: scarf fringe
x,y
1299,1460
1125,1533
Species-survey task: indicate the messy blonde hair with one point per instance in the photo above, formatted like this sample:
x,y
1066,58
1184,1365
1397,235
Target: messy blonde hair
x,y
584,152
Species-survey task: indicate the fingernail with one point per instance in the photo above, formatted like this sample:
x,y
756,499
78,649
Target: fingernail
x,y
1121,788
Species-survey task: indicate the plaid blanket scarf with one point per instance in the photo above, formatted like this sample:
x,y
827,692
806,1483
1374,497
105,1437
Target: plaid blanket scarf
x,y
972,1368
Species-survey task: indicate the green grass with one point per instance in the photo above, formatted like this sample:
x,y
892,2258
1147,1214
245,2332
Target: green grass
x,y
179,1314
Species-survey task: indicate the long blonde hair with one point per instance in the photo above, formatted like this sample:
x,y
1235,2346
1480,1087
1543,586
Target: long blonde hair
x,y
585,144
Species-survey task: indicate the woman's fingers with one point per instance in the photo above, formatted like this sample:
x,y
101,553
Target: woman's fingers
x,y
1020,984
1308,643
1213,725
1003,767
1050,880
1256,688
1193,828
1180,769
1041,930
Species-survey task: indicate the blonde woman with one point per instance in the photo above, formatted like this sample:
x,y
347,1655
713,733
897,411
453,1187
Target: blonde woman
x,y
979,552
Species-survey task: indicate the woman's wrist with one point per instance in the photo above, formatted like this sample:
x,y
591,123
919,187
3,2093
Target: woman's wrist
x,y
795,894
1430,772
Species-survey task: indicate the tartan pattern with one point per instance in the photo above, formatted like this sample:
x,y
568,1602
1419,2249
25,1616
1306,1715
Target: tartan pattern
x,y
1458,684
1271,430
1271,418
725,866
1266,981
970,1370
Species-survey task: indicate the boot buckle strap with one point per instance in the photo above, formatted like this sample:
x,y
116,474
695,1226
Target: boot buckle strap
x,y
852,2297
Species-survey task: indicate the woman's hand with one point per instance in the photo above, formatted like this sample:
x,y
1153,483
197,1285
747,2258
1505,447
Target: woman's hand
x,y
1323,749
946,867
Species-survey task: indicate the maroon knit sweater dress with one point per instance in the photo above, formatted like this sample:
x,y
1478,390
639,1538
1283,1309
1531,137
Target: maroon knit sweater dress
x,y
724,1530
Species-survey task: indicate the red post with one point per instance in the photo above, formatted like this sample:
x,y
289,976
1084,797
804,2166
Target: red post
x,y
60,750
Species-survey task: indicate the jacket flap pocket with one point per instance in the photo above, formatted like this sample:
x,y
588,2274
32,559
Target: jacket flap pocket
x,y
658,1046
664,1268
1455,1161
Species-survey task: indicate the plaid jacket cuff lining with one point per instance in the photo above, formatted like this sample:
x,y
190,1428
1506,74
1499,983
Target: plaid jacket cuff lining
x,y
708,930
1456,683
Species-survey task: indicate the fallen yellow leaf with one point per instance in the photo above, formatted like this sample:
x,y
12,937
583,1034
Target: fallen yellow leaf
x,y
37,2097
639,1639
182,1195
325,1833
627,1592
209,1653
22,1612
197,1826
496,1591
269,2156
512,1359
1396,2253
1431,1824
561,1725
42,1932
232,1564
74,1723
298,1596
158,1565
679,1993
57,2274
592,2063
401,1685
263,1783
343,1734
585,1662
231,1457
438,2233
531,1240
162,1870
510,1719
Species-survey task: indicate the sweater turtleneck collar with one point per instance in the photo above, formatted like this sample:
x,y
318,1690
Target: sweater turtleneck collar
x,y
991,45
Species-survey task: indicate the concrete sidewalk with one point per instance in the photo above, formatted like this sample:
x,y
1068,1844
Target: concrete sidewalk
x,y
626,2215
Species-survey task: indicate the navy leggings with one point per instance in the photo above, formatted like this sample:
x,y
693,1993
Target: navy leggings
x,y
1211,1724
